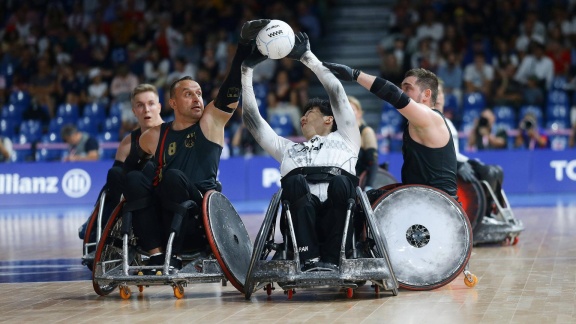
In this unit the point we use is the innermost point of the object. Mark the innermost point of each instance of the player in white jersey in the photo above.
(318, 175)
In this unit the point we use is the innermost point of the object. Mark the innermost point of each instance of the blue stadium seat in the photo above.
(88, 125)
(558, 97)
(261, 94)
(558, 113)
(473, 101)
(557, 124)
(115, 110)
(23, 155)
(50, 153)
(468, 118)
(111, 124)
(505, 114)
(20, 99)
(56, 124)
(12, 112)
(68, 112)
(32, 130)
(451, 103)
(107, 152)
(8, 127)
(95, 111)
(558, 142)
(559, 82)
(282, 124)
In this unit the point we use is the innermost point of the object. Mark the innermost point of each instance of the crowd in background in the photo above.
(76, 61)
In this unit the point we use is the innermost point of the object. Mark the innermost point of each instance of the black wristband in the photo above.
(355, 74)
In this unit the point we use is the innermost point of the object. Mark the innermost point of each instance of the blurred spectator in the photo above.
(430, 27)
(69, 89)
(181, 69)
(81, 146)
(121, 87)
(425, 56)
(43, 86)
(276, 108)
(532, 93)
(530, 136)
(478, 76)
(97, 88)
(530, 29)
(391, 69)
(190, 49)
(503, 55)
(167, 38)
(537, 64)
(308, 21)
(282, 89)
(156, 69)
(507, 91)
(484, 136)
(6, 151)
(451, 73)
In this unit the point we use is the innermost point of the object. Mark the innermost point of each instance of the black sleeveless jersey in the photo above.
(190, 151)
(435, 167)
(360, 165)
(131, 161)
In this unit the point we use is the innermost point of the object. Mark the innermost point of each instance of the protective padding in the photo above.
(382, 179)
(428, 234)
(228, 237)
(471, 196)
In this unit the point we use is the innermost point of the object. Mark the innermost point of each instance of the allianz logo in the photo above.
(75, 184)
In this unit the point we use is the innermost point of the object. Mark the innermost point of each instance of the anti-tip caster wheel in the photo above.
(125, 292)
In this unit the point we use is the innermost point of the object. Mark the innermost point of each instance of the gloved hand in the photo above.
(254, 58)
(466, 172)
(342, 72)
(251, 28)
(301, 45)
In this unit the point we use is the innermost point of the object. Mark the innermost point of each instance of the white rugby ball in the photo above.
(276, 40)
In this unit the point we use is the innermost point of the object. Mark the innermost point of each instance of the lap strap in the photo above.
(321, 174)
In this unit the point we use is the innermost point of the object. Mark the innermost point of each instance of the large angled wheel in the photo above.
(228, 238)
(260, 251)
(109, 252)
(428, 234)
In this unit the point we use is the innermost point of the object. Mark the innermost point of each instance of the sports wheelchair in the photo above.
(368, 259)
(120, 262)
(489, 212)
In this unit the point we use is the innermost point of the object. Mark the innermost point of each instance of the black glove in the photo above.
(466, 172)
(342, 72)
(251, 28)
(254, 58)
(301, 45)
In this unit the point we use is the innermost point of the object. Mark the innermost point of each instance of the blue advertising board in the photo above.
(258, 178)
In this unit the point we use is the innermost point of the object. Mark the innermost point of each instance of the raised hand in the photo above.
(301, 45)
(342, 72)
(251, 28)
(254, 58)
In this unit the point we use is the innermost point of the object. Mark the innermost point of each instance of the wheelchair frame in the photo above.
(119, 262)
(287, 272)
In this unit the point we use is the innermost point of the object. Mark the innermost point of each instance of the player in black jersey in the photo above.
(186, 154)
(146, 107)
(428, 149)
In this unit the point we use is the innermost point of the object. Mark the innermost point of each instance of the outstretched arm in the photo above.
(343, 113)
(253, 121)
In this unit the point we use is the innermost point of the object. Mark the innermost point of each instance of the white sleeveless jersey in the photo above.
(332, 150)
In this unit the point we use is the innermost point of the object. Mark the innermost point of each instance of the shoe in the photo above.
(310, 264)
(154, 260)
(175, 264)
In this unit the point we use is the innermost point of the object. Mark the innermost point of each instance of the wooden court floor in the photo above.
(42, 280)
